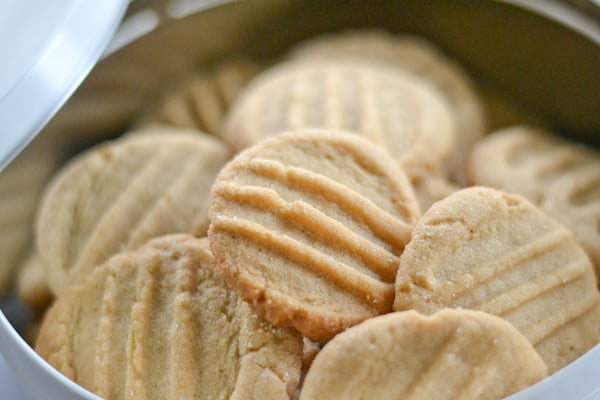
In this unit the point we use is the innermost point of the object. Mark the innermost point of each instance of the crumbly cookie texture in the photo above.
(487, 250)
(452, 354)
(158, 322)
(394, 109)
(560, 177)
(422, 58)
(120, 194)
(309, 225)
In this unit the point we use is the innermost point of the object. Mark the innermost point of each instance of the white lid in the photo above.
(46, 48)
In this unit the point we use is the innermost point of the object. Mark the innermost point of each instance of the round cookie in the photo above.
(483, 249)
(561, 178)
(158, 323)
(119, 194)
(203, 100)
(420, 57)
(396, 110)
(309, 225)
(453, 354)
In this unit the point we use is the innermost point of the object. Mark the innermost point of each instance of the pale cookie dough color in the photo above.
(420, 57)
(396, 110)
(158, 323)
(308, 226)
(561, 178)
(119, 194)
(453, 354)
(483, 249)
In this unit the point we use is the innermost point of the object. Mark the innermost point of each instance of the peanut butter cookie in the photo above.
(120, 194)
(452, 354)
(158, 323)
(486, 250)
(396, 110)
(309, 225)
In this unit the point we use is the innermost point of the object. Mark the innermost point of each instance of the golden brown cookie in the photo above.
(309, 225)
(396, 110)
(158, 323)
(483, 249)
(203, 100)
(420, 57)
(32, 285)
(561, 178)
(119, 194)
(453, 354)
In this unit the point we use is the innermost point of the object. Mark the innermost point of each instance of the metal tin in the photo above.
(545, 58)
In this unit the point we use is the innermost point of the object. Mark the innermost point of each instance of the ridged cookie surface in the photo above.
(119, 194)
(453, 354)
(483, 249)
(158, 323)
(308, 226)
(418, 56)
(561, 178)
(396, 110)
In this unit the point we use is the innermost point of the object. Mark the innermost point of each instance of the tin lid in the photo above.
(47, 48)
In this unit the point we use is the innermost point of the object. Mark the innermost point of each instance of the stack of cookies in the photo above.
(342, 224)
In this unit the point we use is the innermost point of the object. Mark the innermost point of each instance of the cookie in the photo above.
(309, 225)
(420, 57)
(452, 354)
(486, 250)
(119, 194)
(158, 323)
(32, 284)
(203, 100)
(398, 111)
(560, 177)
